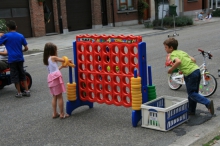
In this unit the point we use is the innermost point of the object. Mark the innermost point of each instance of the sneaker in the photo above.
(26, 93)
(211, 107)
(191, 113)
(18, 95)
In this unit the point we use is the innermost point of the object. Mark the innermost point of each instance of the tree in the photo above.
(3, 26)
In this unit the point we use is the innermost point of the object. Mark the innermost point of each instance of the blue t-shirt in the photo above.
(13, 41)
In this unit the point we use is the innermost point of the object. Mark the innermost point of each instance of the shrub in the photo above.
(142, 5)
(3, 26)
(179, 21)
(216, 13)
(168, 21)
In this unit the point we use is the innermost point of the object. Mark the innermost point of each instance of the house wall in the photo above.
(125, 17)
(190, 6)
(96, 14)
(63, 15)
(55, 15)
(120, 17)
(37, 18)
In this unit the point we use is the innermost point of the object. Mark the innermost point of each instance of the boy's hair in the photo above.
(171, 42)
(11, 25)
(49, 50)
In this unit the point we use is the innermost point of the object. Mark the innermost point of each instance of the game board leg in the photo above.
(136, 117)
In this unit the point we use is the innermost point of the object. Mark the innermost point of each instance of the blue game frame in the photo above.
(142, 62)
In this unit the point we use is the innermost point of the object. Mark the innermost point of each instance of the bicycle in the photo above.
(208, 83)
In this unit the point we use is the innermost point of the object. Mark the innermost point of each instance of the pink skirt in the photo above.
(55, 83)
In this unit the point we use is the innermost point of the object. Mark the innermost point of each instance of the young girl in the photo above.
(55, 79)
(209, 16)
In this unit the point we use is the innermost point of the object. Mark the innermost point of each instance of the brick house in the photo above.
(185, 7)
(62, 16)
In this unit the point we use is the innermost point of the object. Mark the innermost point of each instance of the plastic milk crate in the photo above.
(164, 113)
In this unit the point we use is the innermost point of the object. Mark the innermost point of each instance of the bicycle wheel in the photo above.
(172, 84)
(209, 86)
(29, 82)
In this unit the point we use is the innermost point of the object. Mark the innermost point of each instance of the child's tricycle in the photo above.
(5, 79)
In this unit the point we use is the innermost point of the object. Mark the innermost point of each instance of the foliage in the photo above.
(213, 141)
(142, 5)
(216, 13)
(3, 26)
(179, 21)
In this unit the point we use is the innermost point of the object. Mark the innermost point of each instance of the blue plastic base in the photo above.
(136, 117)
(71, 105)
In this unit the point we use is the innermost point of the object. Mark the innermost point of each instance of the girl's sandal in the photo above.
(56, 116)
(65, 116)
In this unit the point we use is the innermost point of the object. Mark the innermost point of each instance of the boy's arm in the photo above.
(193, 59)
(25, 48)
(177, 62)
(4, 53)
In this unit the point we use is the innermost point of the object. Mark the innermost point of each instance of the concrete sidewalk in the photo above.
(64, 41)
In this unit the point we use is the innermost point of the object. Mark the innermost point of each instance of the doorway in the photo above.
(79, 14)
(104, 13)
(204, 5)
(49, 16)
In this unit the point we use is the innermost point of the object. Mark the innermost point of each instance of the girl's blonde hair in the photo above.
(49, 50)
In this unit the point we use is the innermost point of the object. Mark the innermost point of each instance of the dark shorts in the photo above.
(3, 65)
(17, 72)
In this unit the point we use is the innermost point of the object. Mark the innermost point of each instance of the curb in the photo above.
(201, 135)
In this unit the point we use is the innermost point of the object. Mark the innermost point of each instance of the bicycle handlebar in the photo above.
(207, 53)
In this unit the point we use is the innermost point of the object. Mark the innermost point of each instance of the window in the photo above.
(20, 12)
(14, 12)
(125, 5)
(5, 13)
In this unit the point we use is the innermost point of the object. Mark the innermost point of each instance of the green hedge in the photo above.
(3, 26)
(216, 13)
(179, 21)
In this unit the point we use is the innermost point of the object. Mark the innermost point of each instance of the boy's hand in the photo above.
(170, 70)
(177, 62)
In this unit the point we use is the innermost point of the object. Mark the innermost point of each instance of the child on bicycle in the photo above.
(3, 55)
(192, 76)
(55, 79)
(14, 41)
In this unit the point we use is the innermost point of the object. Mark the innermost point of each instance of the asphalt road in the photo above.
(28, 121)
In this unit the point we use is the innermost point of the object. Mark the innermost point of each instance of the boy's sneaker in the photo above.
(18, 95)
(211, 107)
(191, 113)
(26, 93)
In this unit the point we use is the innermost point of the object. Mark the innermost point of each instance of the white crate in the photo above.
(164, 113)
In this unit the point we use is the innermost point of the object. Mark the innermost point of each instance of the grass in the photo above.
(213, 141)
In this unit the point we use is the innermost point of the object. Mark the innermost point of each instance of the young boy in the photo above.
(13, 41)
(3, 55)
(191, 72)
